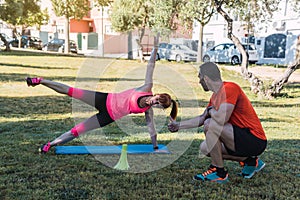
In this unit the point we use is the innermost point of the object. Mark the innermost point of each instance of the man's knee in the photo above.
(206, 125)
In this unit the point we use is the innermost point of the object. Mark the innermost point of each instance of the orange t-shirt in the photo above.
(243, 115)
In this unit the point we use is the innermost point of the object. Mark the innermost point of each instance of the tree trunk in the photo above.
(67, 36)
(256, 84)
(130, 56)
(19, 37)
(141, 32)
(200, 43)
(277, 85)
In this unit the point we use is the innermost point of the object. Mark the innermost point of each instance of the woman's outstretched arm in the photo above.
(150, 67)
(151, 127)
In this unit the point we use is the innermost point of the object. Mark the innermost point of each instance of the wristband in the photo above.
(209, 108)
(208, 115)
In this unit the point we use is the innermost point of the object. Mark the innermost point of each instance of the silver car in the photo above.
(228, 53)
(179, 52)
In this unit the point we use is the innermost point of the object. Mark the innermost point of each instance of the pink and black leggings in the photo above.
(97, 100)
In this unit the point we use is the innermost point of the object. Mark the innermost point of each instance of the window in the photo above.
(162, 45)
(275, 46)
(219, 48)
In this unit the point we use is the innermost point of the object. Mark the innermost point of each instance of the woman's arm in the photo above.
(151, 127)
(150, 67)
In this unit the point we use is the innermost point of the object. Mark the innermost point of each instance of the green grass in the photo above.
(31, 116)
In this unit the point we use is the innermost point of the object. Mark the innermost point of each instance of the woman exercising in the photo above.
(112, 106)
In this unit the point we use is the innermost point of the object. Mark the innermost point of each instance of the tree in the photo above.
(127, 15)
(256, 83)
(277, 85)
(157, 15)
(201, 11)
(22, 13)
(263, 10)
(70, 9)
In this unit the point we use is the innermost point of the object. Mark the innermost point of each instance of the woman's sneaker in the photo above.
(33, 81)
(248, 171)
(45, 148)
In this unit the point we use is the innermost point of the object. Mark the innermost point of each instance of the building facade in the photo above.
(94, 34)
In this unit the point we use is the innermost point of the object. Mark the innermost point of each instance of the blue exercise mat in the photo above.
(131, 149)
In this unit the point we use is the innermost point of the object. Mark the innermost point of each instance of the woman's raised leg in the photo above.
(86, 96)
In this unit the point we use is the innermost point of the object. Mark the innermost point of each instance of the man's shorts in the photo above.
(246, 144)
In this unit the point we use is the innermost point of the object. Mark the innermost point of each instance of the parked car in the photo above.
(27, 42)
(228, 53)
(36, 43)
(58, 45)
(161, 51)
(2, 44)
(5, 38)
(179, 52)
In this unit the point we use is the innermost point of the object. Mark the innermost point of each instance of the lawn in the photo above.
(32, 116)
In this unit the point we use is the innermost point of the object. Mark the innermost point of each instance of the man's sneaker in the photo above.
(201, 177)
(211, 175)
(33, 81)
(249, 171)
(45, 148)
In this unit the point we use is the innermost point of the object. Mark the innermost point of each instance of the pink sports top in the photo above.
(120, 104)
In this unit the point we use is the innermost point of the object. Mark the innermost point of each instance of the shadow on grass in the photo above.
(288, 87)
(20, 52)
(20, 106)
(24, 52)
(21, 78)
(272, 104)
(268, 104)
(23, 173)
(32, 66)
(24, 106)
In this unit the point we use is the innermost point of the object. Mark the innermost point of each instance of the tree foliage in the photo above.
(25, 13)
(71, 8)
(165, 15)
(128, 15)
(104, 2)
(157, 15)
(200, 11)
(154, 14)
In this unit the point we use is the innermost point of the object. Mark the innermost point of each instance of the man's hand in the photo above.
(173, 126)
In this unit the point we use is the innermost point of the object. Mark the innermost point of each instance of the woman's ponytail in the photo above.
(174, 110)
